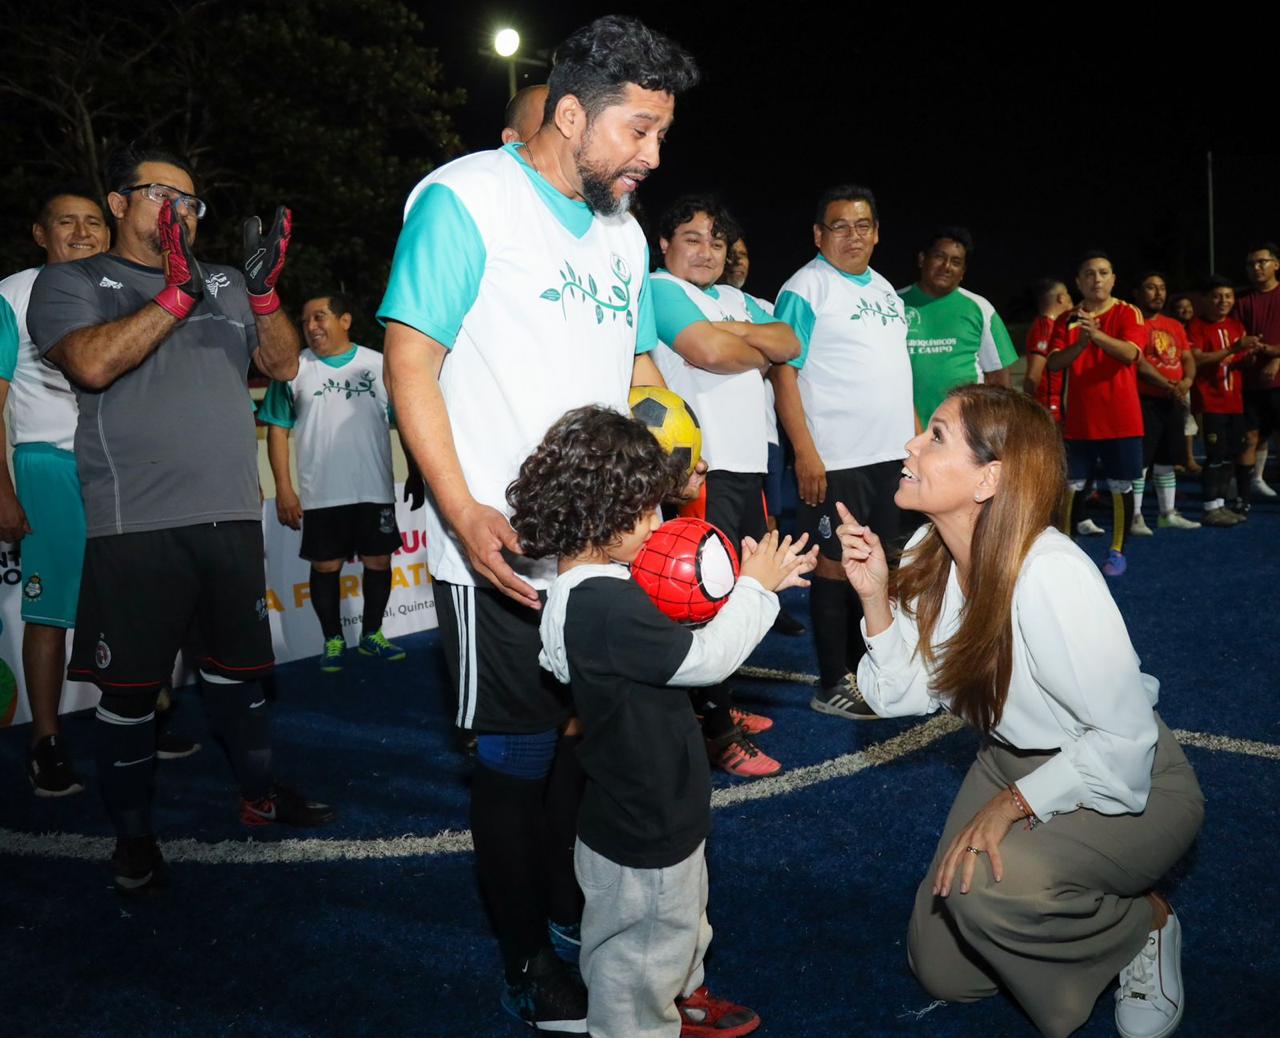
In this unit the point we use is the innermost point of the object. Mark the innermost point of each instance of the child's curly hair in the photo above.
(592, 478)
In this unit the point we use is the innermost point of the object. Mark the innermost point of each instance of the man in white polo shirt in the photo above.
(715, 345)
(846, 406)
(519, 290)
(337, 405)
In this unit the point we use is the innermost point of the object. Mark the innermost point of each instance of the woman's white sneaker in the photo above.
(1149, 999)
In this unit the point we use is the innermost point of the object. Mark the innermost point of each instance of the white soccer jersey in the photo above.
(540, 303)
(42, 405)
(342, 437)
(730, 408)
(854, 370)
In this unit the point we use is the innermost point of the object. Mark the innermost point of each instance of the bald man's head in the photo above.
(524, 114)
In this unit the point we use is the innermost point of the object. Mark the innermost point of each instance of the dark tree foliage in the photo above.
(333, 107)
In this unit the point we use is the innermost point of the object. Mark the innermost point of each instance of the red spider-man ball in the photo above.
(688, 567)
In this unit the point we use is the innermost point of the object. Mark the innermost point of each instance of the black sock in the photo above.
(1217, 476)
(125, 748)
(377, 593)
(562, 800)
(508, 825)
(325, 593)
(855, 647)
(238, 719)
(828, 613)
(1244, 483)
(712, 705)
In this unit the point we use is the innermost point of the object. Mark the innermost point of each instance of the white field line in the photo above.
(249, 852)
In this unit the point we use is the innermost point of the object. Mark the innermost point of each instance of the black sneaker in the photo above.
(174, 747)
(787, 625)
(285, 806)
(49, 769)
(1241, 508)
(139, 866)
(844, 700)
(549, 998)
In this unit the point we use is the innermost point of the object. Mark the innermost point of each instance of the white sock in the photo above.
(1166, 487)
(1260, 462)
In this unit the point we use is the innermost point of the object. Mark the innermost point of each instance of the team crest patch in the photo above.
(824, 528)
(102, 654)
(386, 521)
(261, 607)
(33, 589)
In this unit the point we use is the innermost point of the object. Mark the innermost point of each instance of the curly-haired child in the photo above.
(589, 495)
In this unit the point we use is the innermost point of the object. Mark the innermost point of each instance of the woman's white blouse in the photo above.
(1075, 685)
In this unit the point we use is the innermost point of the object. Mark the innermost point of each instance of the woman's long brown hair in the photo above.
(971, 669)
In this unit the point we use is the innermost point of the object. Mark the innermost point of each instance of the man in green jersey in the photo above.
(954, 337)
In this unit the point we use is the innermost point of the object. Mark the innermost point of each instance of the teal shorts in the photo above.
(53, 552)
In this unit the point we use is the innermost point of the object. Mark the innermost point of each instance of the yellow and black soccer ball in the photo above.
(671, 421)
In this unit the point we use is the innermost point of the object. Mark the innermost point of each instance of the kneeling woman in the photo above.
(1080, 799)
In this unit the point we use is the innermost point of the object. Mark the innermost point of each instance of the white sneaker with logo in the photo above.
(1149, 1000)
(1088, 528)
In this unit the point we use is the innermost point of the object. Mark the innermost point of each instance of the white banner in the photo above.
(295, 631)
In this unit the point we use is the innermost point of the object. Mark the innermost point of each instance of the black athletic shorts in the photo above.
(491, 645)
(733, 502)
(1119, 458)
(146, 596)
(347, 530)
(1163, 442)
(867, 491)
(1262, 411)
(1223, 437)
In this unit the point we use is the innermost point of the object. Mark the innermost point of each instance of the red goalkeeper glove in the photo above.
(183, 278)
(264, 259)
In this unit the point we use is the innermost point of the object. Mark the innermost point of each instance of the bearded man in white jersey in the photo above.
(519, 290)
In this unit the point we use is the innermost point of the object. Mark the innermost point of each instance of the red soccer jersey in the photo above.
(1219, 388)
(1166, 343)
(1100, 399)
(1259, 312)
(1049, 390)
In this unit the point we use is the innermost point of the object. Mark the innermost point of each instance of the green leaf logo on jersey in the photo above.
(618, 302)
(888, 312)
(364, 384)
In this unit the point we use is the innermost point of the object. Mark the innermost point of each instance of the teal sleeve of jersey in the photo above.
(277, 406)
(8, 340)
(1004, 344)
(646, 330)
(436, 271)
(757, 312)
(797, 312)
(673, 311)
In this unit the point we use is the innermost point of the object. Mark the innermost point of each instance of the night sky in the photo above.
(1043, 136)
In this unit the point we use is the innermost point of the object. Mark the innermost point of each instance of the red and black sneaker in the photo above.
(752, 724)
(285, 807)
(702, 1015)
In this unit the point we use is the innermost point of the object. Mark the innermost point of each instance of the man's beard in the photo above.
(597, 184)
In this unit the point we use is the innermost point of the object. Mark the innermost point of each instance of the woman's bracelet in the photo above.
(1023, 806)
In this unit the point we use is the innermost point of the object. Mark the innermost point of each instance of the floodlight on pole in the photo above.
(506, 43)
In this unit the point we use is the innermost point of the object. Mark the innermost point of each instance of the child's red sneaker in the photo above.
(702, 1015)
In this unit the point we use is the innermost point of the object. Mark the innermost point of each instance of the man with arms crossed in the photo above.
(715, 345)
(519, 290)
(339, 407)
(846, 406)
(158, 348)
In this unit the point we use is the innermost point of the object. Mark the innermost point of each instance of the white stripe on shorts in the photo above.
(464, 600)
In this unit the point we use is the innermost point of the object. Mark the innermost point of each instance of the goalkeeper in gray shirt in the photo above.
(157, 347)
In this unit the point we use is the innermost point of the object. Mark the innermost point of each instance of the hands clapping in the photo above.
(778, 565)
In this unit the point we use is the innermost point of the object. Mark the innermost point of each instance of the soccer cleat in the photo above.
(566, 940)
(548, 997)
(285, 807)
(786, 624)
(376, 644)
(331, 658)
(1139, 527)
(752, 724)
(844, 700)
(1177, 521)
(1088, 528)
(139, 866)
(1115, 564)
(1149, 1000)
(736, 754)
(49, 769)
(1262, 488)
(1220, 517)
(702, 1015)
